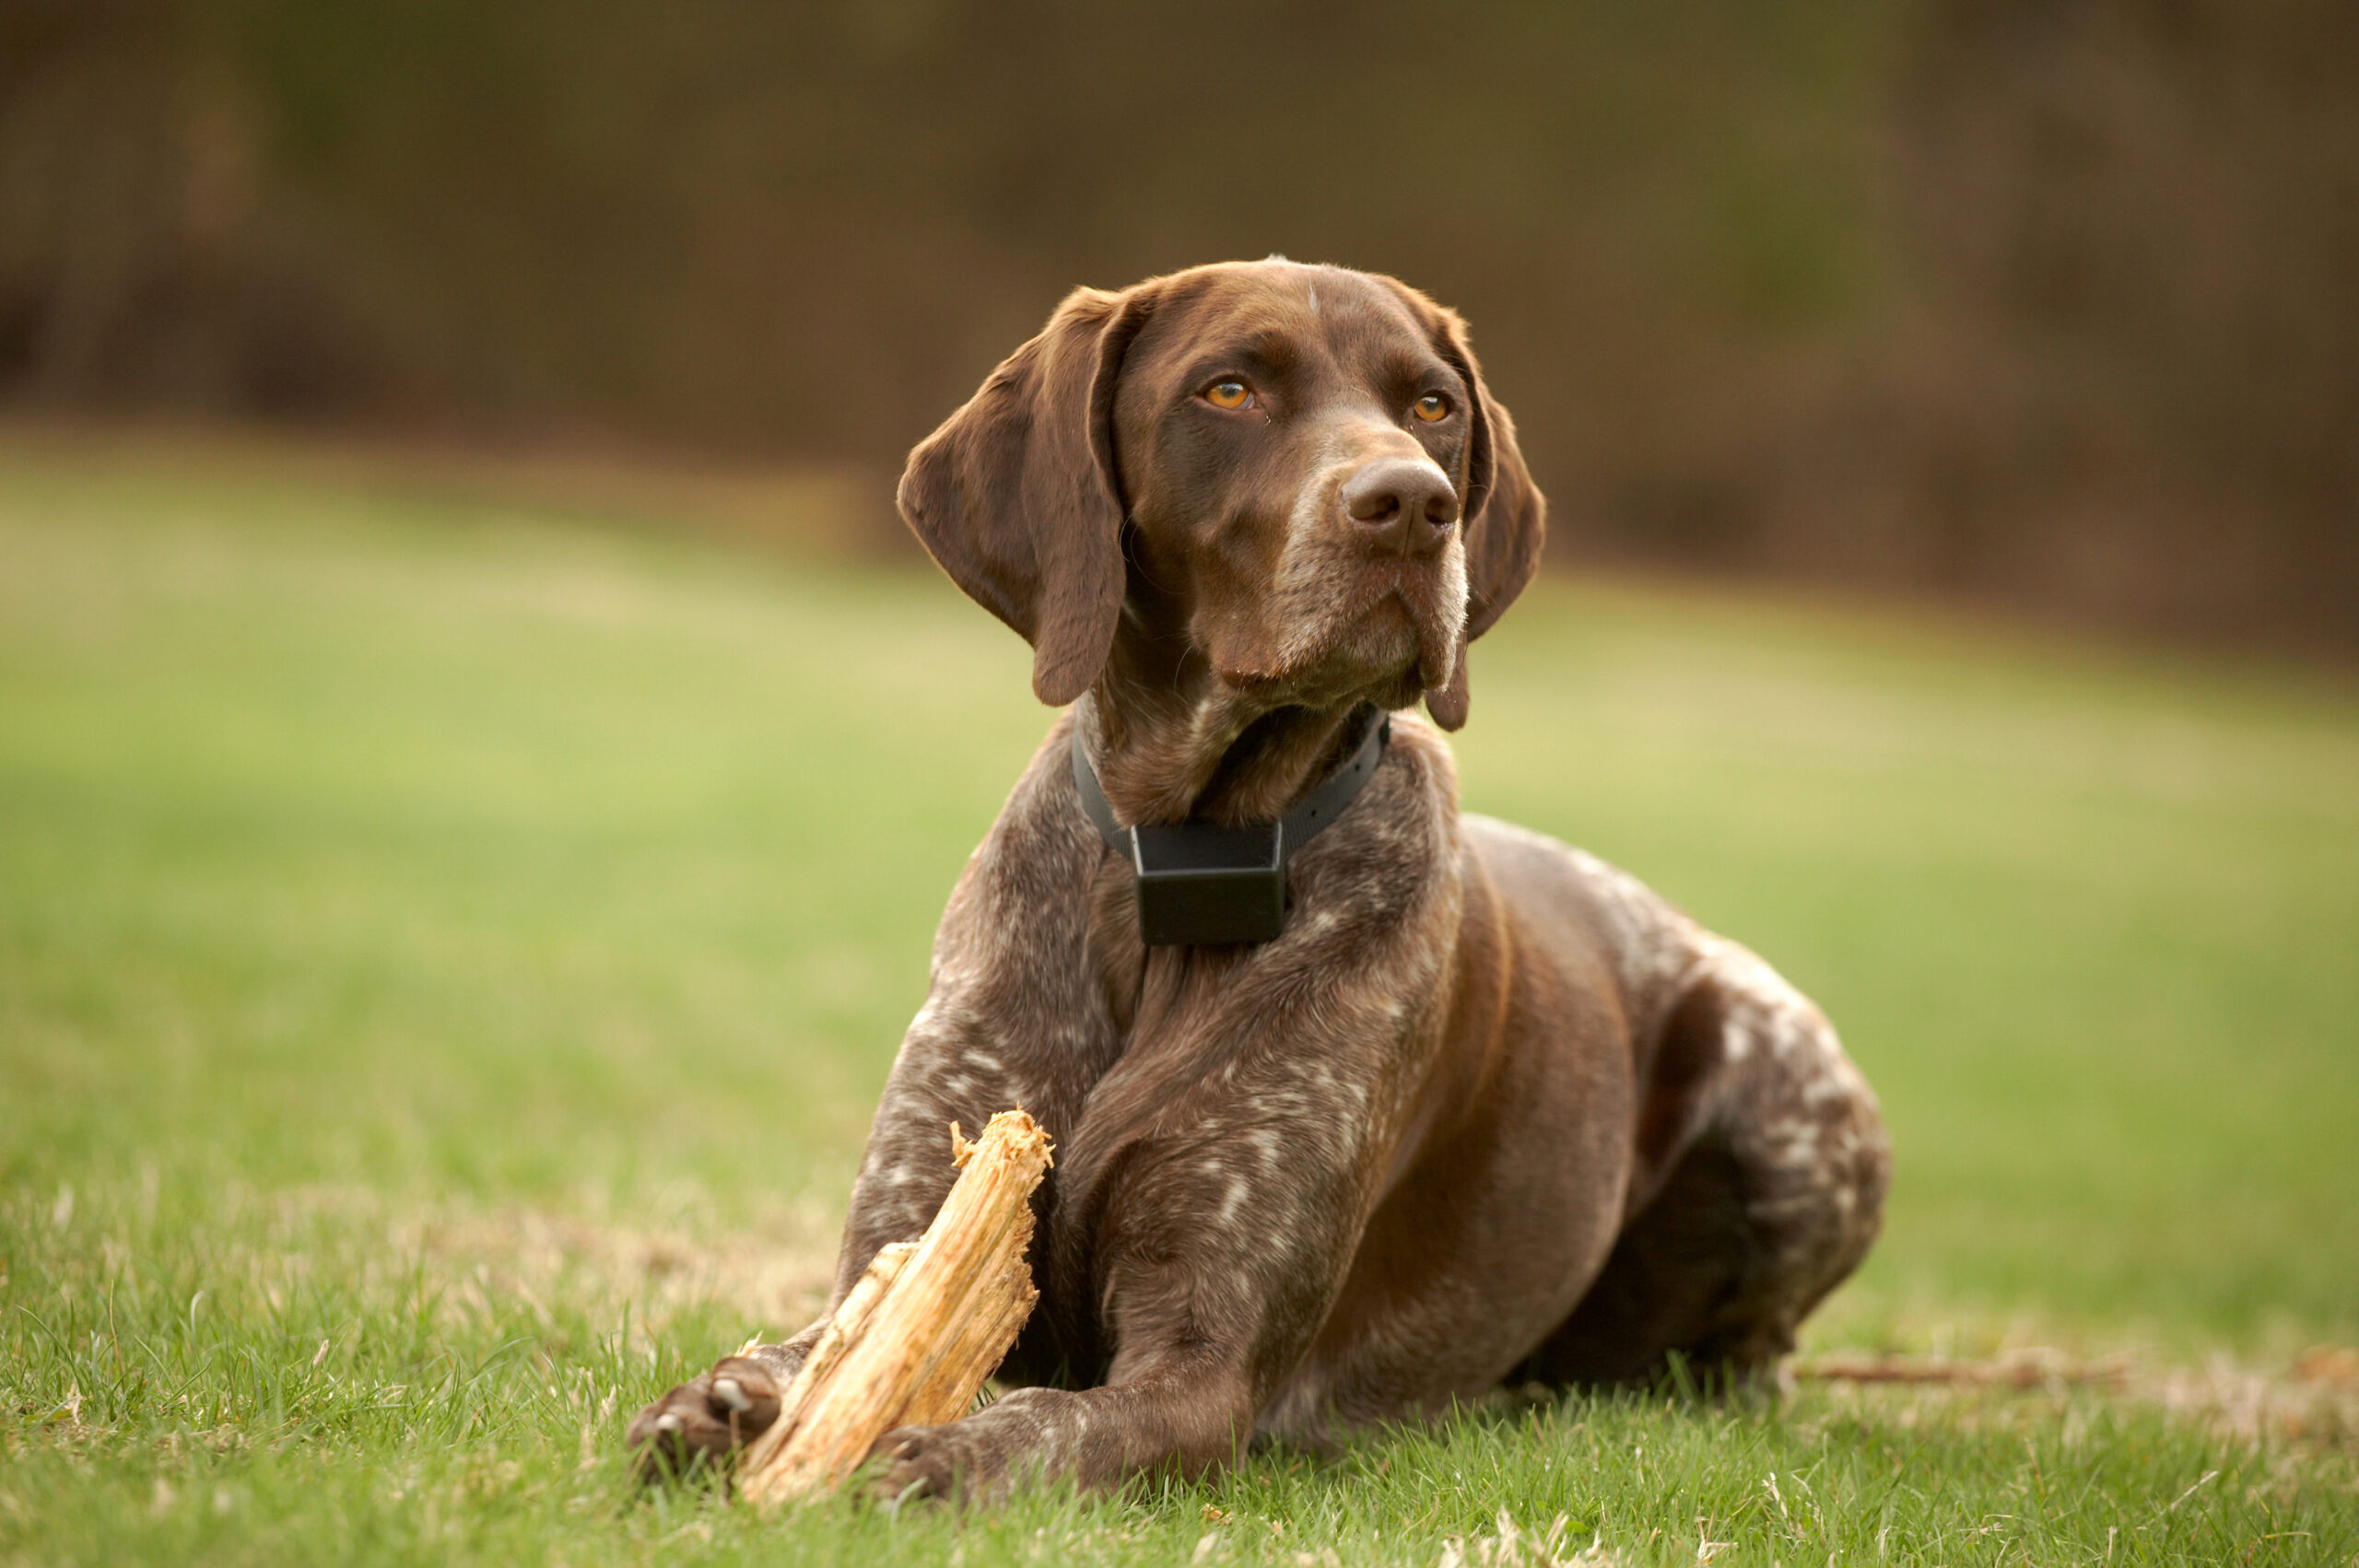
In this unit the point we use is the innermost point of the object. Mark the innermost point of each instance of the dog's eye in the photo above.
(1228, 394)
(1433, 406)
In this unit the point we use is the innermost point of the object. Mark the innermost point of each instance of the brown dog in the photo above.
(1485, 1110)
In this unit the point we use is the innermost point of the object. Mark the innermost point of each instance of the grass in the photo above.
(449, 952)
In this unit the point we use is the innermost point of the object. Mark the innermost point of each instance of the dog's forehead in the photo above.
(1284, 311)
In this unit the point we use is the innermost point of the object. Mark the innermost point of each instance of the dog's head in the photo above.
(1291, 477)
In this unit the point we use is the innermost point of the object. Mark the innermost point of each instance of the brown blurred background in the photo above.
(2054, 305)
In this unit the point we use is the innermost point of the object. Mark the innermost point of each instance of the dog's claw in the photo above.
(705, 1420)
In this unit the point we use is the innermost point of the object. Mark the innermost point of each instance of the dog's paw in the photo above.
(914, 1462)
(1025, 1435)
(704, 1422)
(960, 1462)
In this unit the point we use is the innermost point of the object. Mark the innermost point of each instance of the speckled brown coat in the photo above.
(1487, 1110)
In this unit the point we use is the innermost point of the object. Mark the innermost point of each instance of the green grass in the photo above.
(449, 953)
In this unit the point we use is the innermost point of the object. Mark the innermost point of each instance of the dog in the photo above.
(1482, 1111)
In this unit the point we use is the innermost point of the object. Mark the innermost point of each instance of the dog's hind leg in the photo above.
(1772, 1166)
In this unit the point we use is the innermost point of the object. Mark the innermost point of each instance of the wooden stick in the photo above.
(983, 1341)
(859, 1303)
(916, 1337)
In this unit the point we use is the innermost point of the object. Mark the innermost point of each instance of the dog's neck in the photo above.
(1171, 742)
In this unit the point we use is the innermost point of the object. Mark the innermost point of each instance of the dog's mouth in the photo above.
(1366, 631)
(1398, 633)
(1405, 616)
(1435, 603)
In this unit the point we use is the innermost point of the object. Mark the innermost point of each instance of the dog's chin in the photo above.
(1378, 641)
(1382, 651)
(1432, 608)
(1377, 630)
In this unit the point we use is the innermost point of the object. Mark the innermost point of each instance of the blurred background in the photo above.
(2047, 304)
(481, 762)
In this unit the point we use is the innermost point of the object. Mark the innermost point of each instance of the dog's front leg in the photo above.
(1184, 1409)
(948, 1071)
(1211, 1199)
(1217, 1250)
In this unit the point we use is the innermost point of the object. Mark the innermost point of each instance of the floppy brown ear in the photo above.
(1016, 496)
(1507, 518)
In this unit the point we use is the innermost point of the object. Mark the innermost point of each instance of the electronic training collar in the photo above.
(1203, 885)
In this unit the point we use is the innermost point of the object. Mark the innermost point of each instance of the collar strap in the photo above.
(1203, 885)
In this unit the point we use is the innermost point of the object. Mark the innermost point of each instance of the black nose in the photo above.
(1402, 504)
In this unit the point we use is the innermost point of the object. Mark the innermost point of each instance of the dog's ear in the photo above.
(1017, 498)
(1507, 517)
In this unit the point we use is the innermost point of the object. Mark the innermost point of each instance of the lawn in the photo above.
(449, 951)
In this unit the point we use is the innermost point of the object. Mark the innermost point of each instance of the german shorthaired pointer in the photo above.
(1485, 1111)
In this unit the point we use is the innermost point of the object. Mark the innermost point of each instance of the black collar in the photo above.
(1203, 885)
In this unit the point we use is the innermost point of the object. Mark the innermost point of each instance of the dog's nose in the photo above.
(1402, 504)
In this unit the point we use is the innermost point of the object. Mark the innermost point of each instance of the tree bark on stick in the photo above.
(925, 1324)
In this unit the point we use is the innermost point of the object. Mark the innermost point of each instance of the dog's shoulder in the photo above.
(1565, 899)
(1024, 886)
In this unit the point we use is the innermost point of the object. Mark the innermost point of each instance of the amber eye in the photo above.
(1433, 406)
(1228, 394)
